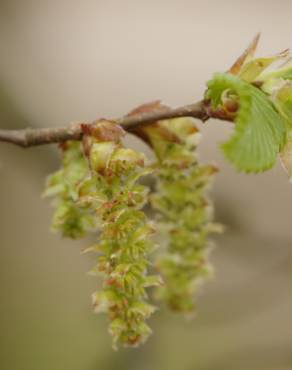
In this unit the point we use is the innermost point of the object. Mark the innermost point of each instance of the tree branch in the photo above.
(39, 136)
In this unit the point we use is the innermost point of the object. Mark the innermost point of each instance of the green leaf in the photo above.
(280, 91)
(284, 73)
(259, 130)
(255, 67)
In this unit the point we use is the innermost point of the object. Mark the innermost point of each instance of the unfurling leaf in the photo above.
(249, 68)
(259, 129)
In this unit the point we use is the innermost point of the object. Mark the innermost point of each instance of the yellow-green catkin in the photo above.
(184, 211)
(70, 218)
(124, 242)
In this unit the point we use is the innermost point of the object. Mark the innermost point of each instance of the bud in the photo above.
(100, 156)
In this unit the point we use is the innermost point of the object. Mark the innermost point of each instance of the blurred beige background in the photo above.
(64, 61)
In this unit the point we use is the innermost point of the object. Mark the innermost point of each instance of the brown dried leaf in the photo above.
(143, 132)
(105, 130)
(153, 106)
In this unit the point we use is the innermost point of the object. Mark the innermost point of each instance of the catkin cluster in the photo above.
(106, 190)
(97, 189)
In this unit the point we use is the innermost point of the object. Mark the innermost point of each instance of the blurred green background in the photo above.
(64, 61)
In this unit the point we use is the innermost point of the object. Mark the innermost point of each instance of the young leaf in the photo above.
(259, 130)
(249, 68)
(253, 69)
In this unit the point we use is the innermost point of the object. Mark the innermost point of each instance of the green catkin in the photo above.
(181, 200)
(124, 242)
(72, 220)
(97, 189)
